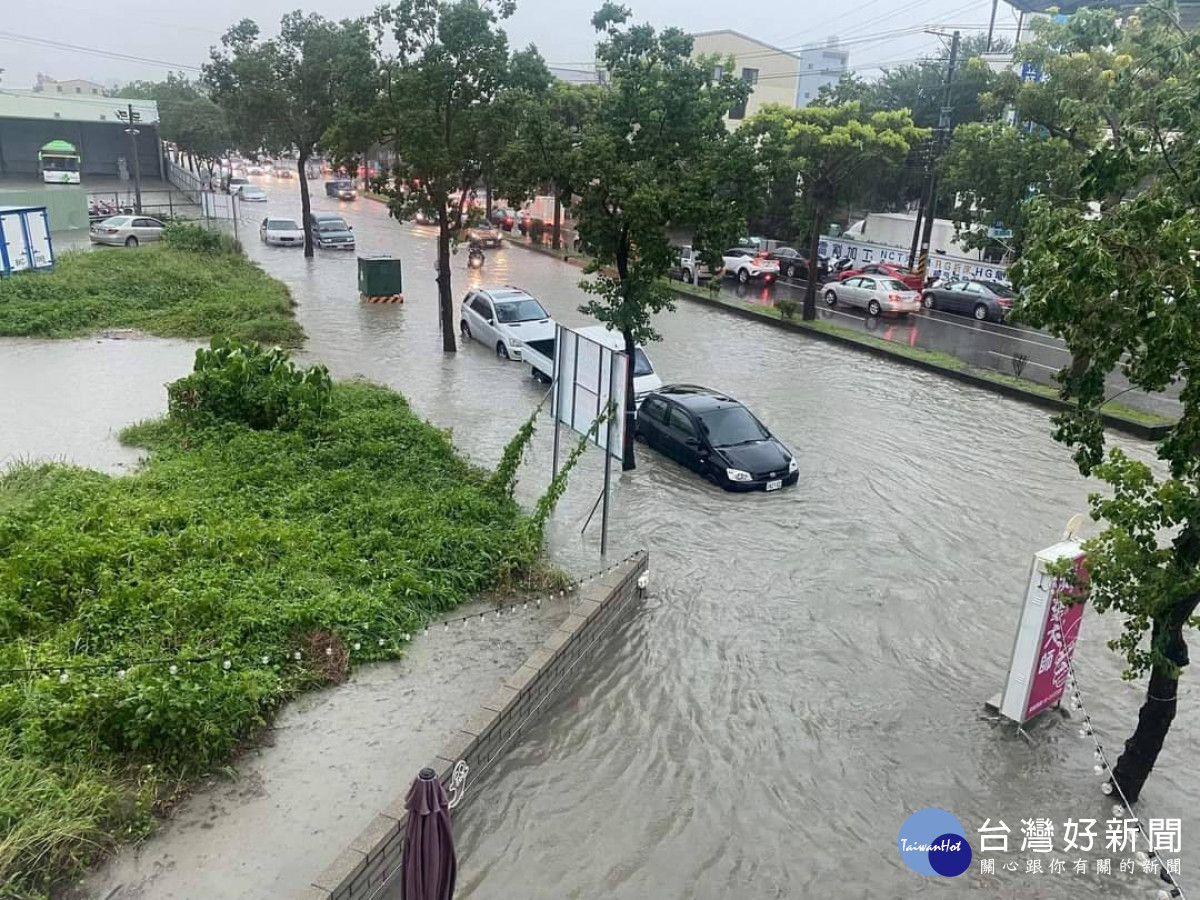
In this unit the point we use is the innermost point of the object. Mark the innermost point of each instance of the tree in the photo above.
(827, 149)
(655, 157)
(286, 93)
(451, 63)
(1122, 288)
(543, 151)
(187, 117)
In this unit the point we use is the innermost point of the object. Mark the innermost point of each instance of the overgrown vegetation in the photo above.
(189, 286)
(283, 528)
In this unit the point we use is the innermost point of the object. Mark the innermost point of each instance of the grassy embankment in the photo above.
(283, 529)
(188, 287)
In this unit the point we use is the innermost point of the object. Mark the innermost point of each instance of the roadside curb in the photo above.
(967, 376)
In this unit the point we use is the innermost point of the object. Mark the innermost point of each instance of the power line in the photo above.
(75, 48)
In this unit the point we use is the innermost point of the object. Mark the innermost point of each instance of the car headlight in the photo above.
(515, 342)
(793, 465)
(737, 475)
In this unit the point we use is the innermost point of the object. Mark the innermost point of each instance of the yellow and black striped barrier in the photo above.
(392, 298)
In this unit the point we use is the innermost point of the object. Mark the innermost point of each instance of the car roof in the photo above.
(696, 398)
(506, 292)
(279, 220)
(326, 217)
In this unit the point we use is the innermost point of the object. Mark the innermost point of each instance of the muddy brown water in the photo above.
(811, 666)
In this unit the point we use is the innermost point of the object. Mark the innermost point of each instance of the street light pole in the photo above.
(931, 181)
(137, 164)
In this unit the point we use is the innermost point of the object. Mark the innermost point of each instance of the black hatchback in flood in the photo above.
(716, 436)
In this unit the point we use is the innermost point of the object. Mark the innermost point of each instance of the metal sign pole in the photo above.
(607, 462)
(554, 395)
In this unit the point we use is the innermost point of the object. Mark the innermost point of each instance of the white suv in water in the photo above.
(505, 319)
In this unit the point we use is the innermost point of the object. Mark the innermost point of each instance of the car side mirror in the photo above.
(491, 321)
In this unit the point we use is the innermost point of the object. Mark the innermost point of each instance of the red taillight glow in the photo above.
(895, 298)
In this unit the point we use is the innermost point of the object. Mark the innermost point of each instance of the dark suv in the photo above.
(714, 435)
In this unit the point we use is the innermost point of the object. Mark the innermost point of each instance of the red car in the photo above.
(889, 270)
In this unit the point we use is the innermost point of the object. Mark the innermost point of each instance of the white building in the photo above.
(820, 65)
(72, 86)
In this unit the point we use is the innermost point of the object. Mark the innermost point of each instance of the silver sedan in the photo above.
(875, 294)
(126, 231)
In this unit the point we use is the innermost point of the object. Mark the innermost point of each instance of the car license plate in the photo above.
(775, 485)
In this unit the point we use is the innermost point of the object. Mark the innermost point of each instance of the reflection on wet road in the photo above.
(810, 666)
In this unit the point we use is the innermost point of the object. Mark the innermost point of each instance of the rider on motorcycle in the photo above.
(475, 254)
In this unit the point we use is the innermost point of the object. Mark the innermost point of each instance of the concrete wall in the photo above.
(375, 855)
(777, 70)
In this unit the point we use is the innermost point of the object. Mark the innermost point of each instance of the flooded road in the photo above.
(810, 666)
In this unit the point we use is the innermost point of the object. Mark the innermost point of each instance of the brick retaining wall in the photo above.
(361, 869)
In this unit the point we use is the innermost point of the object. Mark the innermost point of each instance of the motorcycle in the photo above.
(475, 257)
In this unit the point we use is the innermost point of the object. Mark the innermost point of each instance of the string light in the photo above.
(227, 665)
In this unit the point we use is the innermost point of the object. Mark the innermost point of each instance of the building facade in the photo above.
(820, 65)
(72, 86)
(772, 73)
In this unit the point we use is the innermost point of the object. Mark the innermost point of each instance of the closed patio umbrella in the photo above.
(429, 864)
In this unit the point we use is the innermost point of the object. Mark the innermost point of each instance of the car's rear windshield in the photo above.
(282, 225)
(1000, 290)
(332, 225)
(520, 311)
(732, 425)
(891, 284)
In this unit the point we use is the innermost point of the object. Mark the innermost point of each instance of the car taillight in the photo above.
(895, 298)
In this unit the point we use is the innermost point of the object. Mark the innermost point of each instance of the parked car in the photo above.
(716, 436)
(985, 300)
(524, 218)
(128, 231)
(485, 233)
(540, 356)
(281, 232)
(874, 293)
(281, 172)
(743, 264)
(255, 169)
(794, 264)
(912, 280)
(252, 193)
(690, 267)
(330, 232)
(505, 319)
(503, 217)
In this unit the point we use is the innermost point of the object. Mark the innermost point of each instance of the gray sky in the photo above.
(181, 33)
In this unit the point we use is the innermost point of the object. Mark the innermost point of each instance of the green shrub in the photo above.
(537, 230)
(198, 239)
(248, 384)
(787, 308)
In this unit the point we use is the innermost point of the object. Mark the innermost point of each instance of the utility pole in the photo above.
(930, 203)
(992, 24)
(133, 132)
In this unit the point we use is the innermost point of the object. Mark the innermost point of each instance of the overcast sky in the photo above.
(180, 34)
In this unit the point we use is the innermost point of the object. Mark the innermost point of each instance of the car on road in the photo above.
(281, 232)
(126, 231)
(691, 267)
(912, 280)
(876, 294)
(485, 233)
(235, 183)
(252, 193)
(987, 301)
(255, 169)
(342, 188)
(717, 437)
(330, 232)
(503, 217)
(794, 264)
(281, 172)
(743, 264)
(425, 218)
(505, 319)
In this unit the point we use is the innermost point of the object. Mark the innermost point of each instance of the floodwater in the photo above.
(811, 665)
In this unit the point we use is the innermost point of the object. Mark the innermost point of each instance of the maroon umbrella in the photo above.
(429, 864)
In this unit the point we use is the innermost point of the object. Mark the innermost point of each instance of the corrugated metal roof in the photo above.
(71, 108)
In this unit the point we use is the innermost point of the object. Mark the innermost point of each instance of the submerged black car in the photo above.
(714, 435)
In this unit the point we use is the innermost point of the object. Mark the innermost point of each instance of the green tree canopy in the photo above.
(187, 116)
(286, 93)
(655, 158)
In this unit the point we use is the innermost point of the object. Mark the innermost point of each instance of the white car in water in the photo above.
(281, 232)
(505, 319)
(252, 193)
(745, 264)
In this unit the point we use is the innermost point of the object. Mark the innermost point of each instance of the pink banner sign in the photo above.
(1057, 645)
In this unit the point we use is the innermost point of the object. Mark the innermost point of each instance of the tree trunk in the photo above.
(628, 462)
(810, 288)
(305, 204)
(445, 301)
(556, 235)
(487, 200)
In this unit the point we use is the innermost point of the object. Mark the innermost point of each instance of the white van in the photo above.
(540, 356)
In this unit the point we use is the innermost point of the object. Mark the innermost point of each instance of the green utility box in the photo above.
(379, 277)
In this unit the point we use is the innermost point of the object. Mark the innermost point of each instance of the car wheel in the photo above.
(501, 350)
(465, 329)
(131, 241)
(791, 272)
(874, 308)
(981, 312)
(928, 302)
(687, 276)
(830, 298)
(743, 276)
